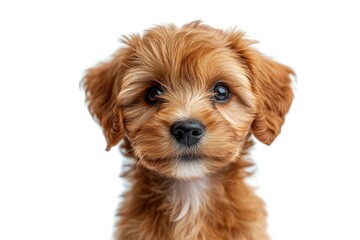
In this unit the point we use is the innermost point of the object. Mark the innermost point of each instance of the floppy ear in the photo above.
(102, 85)
(271, 85)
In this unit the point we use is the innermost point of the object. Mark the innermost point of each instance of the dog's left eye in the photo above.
(221, 93)
(153, 93)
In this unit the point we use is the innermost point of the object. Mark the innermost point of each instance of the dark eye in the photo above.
(152, 94)
(222, 93)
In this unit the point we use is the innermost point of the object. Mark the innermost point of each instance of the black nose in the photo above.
(187, 132)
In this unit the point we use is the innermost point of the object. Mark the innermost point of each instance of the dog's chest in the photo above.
(188, 197)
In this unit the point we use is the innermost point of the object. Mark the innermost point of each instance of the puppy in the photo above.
(185, 102)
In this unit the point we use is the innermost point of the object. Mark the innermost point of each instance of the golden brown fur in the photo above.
(206, 198)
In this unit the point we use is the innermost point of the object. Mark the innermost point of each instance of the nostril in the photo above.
(197, 133)
(178, 133)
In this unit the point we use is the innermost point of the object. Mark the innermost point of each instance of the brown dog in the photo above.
(186, 102)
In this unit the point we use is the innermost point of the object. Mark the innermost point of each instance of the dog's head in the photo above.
(186, 99)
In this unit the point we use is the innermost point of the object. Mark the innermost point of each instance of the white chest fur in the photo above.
(188, 196)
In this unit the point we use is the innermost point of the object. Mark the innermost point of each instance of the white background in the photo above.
(57, 182)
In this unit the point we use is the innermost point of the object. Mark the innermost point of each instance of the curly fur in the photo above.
(207, 197)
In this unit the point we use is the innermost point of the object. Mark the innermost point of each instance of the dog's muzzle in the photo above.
(187, 132)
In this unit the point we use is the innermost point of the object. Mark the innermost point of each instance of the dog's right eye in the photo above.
(153, 94)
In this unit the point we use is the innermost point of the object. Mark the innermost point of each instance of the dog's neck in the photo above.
(188, 196)
(184, 208)
(184, 198)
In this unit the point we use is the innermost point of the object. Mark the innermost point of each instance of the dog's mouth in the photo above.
(189, 157)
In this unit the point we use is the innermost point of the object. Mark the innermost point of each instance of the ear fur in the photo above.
(102, 85)
(271, 84)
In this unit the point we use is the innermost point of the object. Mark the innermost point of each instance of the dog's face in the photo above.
(187, 99)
